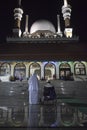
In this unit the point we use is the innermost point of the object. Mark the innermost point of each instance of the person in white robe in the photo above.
(33, 89)
(33, 101)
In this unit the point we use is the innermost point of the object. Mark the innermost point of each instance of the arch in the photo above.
(49, 71)
(35, 68)
(64, 71)
(20, 71)
(79, 68)
(5, 69)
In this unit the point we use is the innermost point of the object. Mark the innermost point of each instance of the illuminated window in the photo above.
(64, 70)
(49, 71)
(5, 69)
(35, 68)
(20, 71)
(80, 69)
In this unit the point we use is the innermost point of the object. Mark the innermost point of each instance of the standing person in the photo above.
(33, 89)
(49, 91)
(33, 101)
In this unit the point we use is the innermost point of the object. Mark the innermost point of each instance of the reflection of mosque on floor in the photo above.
(49, 115)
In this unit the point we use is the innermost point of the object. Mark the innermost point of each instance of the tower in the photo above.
(17, 17)
(66, 11)
(26, 33)
(58, 26)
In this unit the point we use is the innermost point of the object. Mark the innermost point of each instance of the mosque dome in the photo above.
(42, 25)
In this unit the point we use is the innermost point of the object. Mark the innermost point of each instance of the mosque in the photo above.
(43, 49)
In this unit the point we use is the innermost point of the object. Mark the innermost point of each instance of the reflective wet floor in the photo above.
(48, 114)
(62, 113)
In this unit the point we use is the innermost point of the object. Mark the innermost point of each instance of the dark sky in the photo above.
(43, 9)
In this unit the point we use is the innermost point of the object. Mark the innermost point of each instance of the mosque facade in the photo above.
(49, 53)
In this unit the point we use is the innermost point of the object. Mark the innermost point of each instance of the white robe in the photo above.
(33, 89)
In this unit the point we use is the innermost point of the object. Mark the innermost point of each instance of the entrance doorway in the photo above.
(64, 71)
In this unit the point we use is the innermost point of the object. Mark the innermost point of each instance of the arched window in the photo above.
(50, 71)
(5, 69)
(64, 70)
(35, 68)
(20, 71)
(80, 69)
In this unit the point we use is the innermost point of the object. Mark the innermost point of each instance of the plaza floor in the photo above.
(63, 113)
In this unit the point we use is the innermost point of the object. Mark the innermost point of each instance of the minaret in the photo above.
(26, 33)
(59, 32)
(66, 10)
(17, 16)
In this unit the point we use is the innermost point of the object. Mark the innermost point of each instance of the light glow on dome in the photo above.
(42, 25)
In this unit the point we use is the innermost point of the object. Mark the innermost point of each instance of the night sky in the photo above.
(43, 9)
